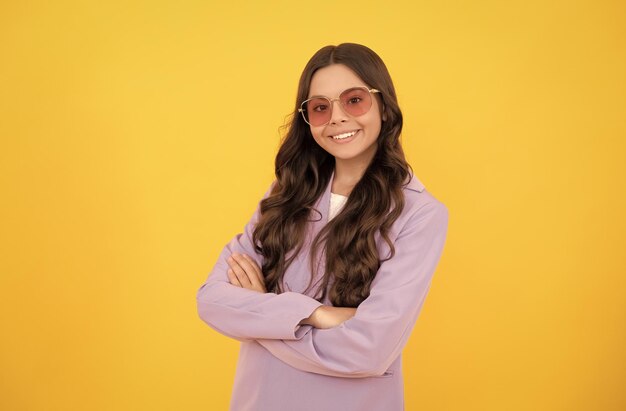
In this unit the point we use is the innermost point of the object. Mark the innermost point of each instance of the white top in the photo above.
(337, 202)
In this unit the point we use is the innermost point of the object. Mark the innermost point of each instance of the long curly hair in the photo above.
(303, 170)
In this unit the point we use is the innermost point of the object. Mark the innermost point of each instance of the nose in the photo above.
(337, 114)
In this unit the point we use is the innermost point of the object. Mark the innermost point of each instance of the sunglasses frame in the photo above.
(301, 110)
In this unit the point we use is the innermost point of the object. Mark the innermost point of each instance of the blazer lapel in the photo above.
(318, 219)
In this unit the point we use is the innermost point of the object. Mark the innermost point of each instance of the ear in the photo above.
(384, 117)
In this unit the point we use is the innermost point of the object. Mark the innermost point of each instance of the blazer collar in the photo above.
(323, 204)
(415, 184)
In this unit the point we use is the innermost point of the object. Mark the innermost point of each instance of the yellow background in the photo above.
(131, 154)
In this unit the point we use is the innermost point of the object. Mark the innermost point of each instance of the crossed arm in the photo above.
(313, 337)
(244, 272)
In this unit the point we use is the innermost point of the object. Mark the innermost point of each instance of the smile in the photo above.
(344, 135)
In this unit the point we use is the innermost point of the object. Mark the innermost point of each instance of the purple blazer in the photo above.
(356, 366)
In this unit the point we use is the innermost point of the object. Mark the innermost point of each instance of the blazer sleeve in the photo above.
(244, 314)
(368, 343)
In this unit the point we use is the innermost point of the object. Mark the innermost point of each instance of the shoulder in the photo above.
(419, 203)
(414, 184)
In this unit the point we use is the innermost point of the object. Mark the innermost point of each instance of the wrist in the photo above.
(313, 319)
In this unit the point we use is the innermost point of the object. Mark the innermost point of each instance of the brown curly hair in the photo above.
(303, 170)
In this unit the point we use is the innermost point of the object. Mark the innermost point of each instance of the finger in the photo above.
(250, 269)
(239, 272)
(233, 278)
(258, 272)
(255, 266)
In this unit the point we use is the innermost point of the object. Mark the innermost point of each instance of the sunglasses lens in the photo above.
(317, 111)
(356, 101)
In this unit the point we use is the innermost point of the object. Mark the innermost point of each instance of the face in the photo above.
(347, 138)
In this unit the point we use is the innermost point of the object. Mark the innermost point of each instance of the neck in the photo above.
(347, 174)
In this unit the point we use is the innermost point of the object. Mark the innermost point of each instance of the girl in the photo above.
(325, 284)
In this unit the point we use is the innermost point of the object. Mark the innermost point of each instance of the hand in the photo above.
(244, 272)
(327, 316)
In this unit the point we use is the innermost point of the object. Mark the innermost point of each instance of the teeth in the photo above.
(344, 135)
